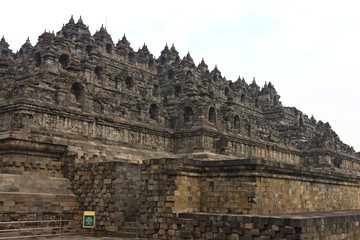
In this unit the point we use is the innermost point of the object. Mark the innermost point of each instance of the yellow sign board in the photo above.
(89, 219)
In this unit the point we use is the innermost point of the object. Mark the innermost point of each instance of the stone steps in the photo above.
(129, 229)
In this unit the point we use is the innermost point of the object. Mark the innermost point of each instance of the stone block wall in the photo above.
(21, 156)
(222, 194)
(327, 226)
(32, 185)
(30, 165)
(306, 194)
(43, 206)
(249, 186)
(196, 193)
(111, 189)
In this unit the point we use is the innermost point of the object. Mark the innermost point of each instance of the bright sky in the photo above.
(308, 49)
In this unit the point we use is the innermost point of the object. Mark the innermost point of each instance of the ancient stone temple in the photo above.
(87, 124)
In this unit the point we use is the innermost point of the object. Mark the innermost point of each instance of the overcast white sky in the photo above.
(309, 50)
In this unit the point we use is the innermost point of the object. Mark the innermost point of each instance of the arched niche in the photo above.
(177, 90)
(64, 60)
(88, 49)
(129, 82)
(131, 56)
(188, 114)
(154, 112)
(38, 59)
(109, 48)
(242, 98)
(98, 71)
(170, 74)
(226, 91)
(151, 63)
(162, 60)
(257, 103)
(77, 92)
(236, 122)
(155, 91)
(212, 115)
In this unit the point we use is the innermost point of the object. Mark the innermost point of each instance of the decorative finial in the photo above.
(145, 48)
(72, 19)
(202, 64)
(80, 21)
(253, 81)
(188, 58)
(27, 43)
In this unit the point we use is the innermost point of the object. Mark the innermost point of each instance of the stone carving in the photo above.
(105, 102)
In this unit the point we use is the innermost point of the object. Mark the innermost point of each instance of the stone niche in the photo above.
(81, 117)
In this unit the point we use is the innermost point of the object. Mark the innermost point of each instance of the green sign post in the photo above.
(89, 219)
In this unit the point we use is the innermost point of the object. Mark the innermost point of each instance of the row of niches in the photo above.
(184, 116)
(72, 60)
(92, 52)
(77, 91)
(228, 91)
(187, 116)
(155, 88)
(76, 63)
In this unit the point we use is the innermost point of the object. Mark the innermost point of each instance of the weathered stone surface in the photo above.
(95, 125)
(221, 183)
(75, 86)
(329, 225)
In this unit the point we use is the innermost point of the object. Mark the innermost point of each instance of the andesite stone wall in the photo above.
(111, 189)
(81, 117)
(32, 186)
(311, 226)
(244, 186)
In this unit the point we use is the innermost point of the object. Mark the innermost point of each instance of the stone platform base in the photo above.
(24, 196)
(321, 225)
